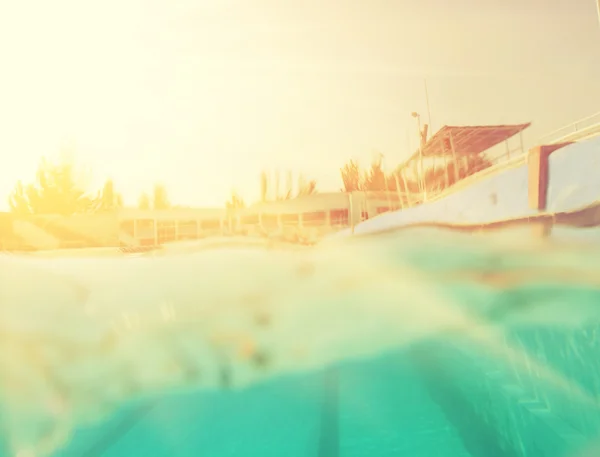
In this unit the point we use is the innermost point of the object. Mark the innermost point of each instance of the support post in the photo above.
(447, 183)
(351, 212)
(433, 183)
(538, 180)
(521, 141)
(155, 223)
(456, 177)
(406, 189)
(398, 193)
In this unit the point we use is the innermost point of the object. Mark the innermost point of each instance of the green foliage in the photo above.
(235, 202)
(108, 199)
(55, 191)
(144, 201)
(264, 186)
(160, 198)
(352, 177)
(375, 179)
(304, 187)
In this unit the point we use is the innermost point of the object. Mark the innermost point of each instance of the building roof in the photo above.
(468, 140)
(319, 201)
(171, 213)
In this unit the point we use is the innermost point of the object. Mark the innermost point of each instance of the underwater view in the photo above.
(300, 229)
(369, 345)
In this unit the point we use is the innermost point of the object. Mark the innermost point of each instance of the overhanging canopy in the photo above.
(468, 140)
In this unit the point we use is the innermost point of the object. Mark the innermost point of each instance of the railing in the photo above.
(579, 130)
(447, 183)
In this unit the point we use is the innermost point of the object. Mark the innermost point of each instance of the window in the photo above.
(211, 224)
(382, 209)
(250, 219)
(269, 220)
(314, 219)
(290, 219)
(187, 230)
(127, 227)
(145, 229)
(232, 223)
(339, 217)
(165, 231)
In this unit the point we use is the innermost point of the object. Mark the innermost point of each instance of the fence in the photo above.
(579, 130)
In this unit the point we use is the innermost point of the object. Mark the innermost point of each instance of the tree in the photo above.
(19, 201)
(306, 187)
(476, 163)
(351, 177)
(276, 189)
(289, 185)
(108, 199)
(55, 191)
(444, 177)
(235, 201)
(375, 179)
(264, 186)
(7, 234)
(144, 201)
(160, 198)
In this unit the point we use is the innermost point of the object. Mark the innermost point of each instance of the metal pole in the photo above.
(351, 212)
(421, 182)
(387, 193)
(400, 199)
(427, 100)
(406, 189)
(456, 177)
(521, 136)
(432, 175)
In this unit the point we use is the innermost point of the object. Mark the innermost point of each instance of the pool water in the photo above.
(436, 399)
(527, 386)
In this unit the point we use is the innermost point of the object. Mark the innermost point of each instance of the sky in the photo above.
(202, 95)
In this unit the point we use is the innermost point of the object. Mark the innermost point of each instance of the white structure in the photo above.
(323, 211)
(151, 227)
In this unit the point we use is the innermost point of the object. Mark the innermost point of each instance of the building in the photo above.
(294, 219)
(318, 214)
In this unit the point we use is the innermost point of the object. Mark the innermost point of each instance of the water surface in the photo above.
(420, 343)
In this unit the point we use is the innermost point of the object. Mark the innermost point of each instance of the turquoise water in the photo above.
(432, 345)
(436, 399)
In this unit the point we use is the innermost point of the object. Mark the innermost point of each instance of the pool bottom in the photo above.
(436, 399)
